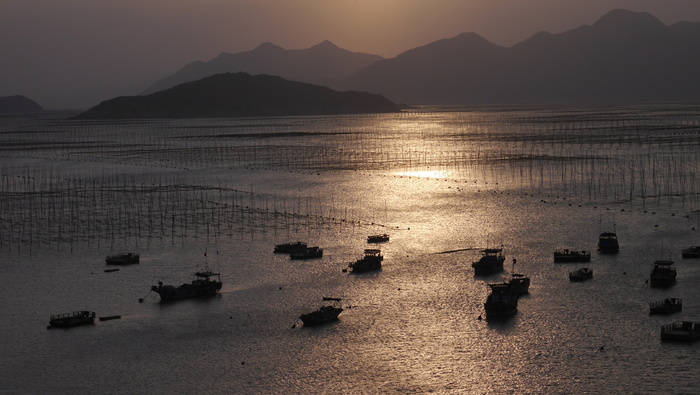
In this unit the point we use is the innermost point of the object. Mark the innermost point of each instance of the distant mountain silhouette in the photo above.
(240, 95)
(18, 105)
(318, 64)
(624, 56)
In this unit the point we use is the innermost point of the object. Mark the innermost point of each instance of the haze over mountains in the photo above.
(623, 57)
(317, 65)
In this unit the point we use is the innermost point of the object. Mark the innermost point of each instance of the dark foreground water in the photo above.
(443, 182)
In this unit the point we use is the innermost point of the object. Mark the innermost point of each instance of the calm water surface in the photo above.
(443, 182)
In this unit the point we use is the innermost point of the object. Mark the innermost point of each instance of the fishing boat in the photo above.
(322, 315)
(519, 283)
(691, 252)
(581, 274)
(372, 260)
(681, 331)
(608, 244)
(501, 302)
(663, 274)
(122, 259)
(566, 255)
(666, 306)
(203, 285)
(287, 248)
(378, 238)
(75, 318)
(491, 261)
(307, 253)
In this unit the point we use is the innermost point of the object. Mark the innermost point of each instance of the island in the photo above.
(231, 95)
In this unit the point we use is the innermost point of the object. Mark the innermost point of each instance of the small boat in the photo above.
(287, 248)
(608, 244)
(111, 270)
(520, 283)
(691, 252)
(663, 274)
(502, 301)
(372, 260)
(307, 253)
(681, 331)
(581, 274)
(567, 255)
(321, 316)
(378, 238)
(122, 259)
(110, 317)
(666, 306)
(202, 286)
(75, 318)
(491, 261)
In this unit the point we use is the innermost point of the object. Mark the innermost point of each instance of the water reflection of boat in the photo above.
(663, 274)
(567, 255)
(202, 286)
(307, 253)
(122, 259)
(666, 306)
(287, 248)
(501, 302)
(608, 244)
(372, 260)
(581, 274)
(681, 331)
(378, 238)
(75, 318)
(491, 261)
(691, 252)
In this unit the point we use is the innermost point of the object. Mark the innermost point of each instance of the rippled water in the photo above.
(443, 182)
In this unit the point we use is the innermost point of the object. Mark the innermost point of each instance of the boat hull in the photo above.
(321, 316)
(68, 320)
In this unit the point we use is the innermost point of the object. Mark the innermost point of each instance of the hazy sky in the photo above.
(53, 46)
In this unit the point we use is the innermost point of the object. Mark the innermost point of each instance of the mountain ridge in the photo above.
(623, 56)
(232, 95)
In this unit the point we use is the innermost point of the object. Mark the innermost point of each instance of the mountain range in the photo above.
(319, 64)
(625, 56)
(240, 95)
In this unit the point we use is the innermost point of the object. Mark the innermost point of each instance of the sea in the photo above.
(443, 182)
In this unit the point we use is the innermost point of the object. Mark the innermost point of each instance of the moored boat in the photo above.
(691, 252)
(491, 261)
(75, 318)
(520, 283)
(372, 260)
(608, 244)
(666, 306)
(322, 315)
(567, 255)
(581, 274)
(307, 253)
(501, 302)
(122, 259)
(287, 248)
(663, 274)
(378, 238)
(203, 285)
(681, 331)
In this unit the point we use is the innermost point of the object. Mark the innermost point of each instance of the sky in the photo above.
(50, 49)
